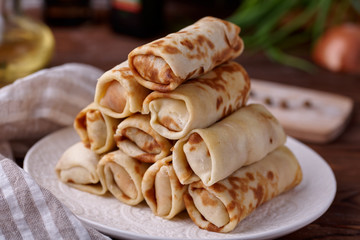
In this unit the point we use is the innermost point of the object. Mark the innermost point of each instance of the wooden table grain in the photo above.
(96, 44)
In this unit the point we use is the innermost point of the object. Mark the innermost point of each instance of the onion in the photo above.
(338, 49)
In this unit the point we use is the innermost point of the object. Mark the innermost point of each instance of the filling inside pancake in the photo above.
(96, 129)
(154, 69)
(210, 207)
(116, 174)
(163, 192)
(198, 156)
(114, 97)
(136, 142)
(171, 113)
(78, 175)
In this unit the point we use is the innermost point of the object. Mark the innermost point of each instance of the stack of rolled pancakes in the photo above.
(171, 125)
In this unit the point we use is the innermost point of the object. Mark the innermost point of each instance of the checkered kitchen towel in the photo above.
(31, 108)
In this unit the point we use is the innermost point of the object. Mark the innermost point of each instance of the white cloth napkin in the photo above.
(42, 102)
(31, 108)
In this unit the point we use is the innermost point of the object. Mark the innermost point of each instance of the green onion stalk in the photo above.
(277, 26)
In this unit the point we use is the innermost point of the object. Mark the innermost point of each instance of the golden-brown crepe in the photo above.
(222, 206)
(135, 137)
(200, 102)
(165, 63)
(96, 130)
(122, 176)
(117, 92)
(162, 190)
(213, 153)
(77, 168)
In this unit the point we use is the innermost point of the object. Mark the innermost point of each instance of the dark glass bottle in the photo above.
(66, 12)
(140, 18)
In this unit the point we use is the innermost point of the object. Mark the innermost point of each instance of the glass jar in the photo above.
(26, 45)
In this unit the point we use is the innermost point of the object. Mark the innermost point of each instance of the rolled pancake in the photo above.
(163, 64)
(118, 94)
(162, 190)
(212, 154)
(222, 206)
(96, 130)
(77, 168)
(135, 137)
(200, 102)
(122, 176)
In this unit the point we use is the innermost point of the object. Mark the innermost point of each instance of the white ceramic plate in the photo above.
(280, 216)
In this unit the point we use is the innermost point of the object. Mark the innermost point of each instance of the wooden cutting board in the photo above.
(306, 114)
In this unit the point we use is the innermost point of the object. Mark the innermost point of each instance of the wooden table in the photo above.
(96, 44)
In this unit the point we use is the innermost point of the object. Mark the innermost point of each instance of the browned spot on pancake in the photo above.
(231, 206)
(70, 180)
(195, 138)
(217, 82)
(221, 56)
(187, 43)
(137, 169)
(158, 42)
(270, 140)
(239, 183)
(153, 73)
(258, 194)
(213, 228)
(218, 187)
(192, 148)
(227, 111)
(206, 198)
(146, 157)
(125, 197)
(190, 74)
(270, 175)
(219, 101)
(80, 121)
(238, 46)
(198, 53)
(208, 153)
(168, 122)
(168, 76)
(150, 195)
(201, 40)
(151, 147)
(241, 98)
(95, 115)
(233, 193)
(171, 49)
(118, 138)
(201, 70)
(250, 176)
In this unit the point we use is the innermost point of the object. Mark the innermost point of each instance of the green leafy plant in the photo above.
(276, 26)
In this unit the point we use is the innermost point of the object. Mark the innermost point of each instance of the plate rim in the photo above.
(267, 234)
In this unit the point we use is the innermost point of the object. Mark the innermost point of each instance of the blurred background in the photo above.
(299, 34)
